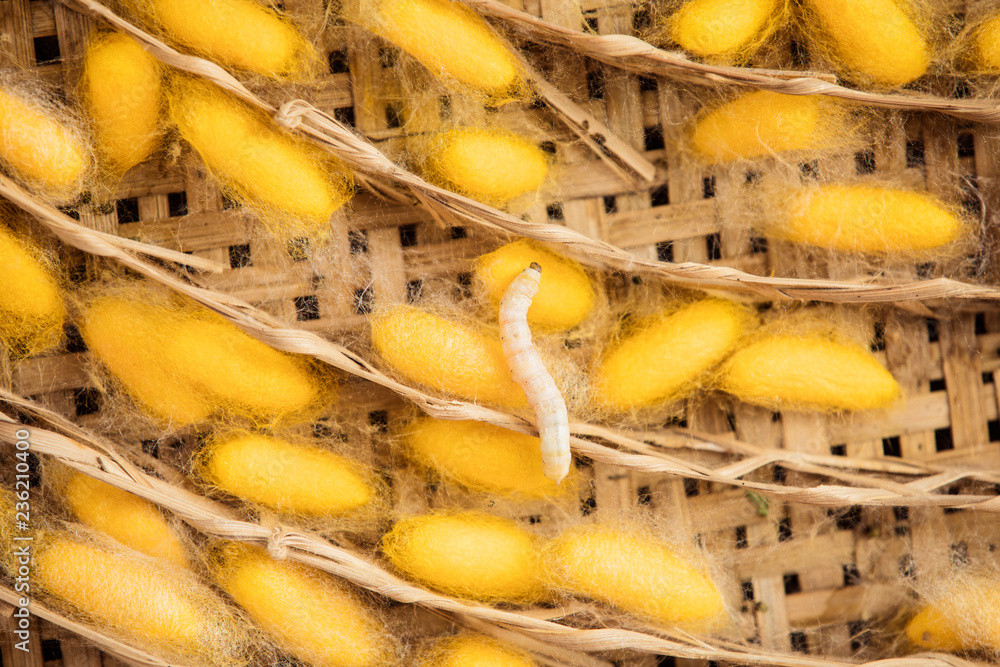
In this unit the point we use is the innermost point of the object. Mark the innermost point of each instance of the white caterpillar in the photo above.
(529, 373)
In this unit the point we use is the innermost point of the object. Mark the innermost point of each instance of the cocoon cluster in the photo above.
(876, 39)
(666, 356)
(866, 218)
(635, 574)
(469, 650)
(450, 40)
(565, 297)
(40, 148)
(295, 185)
(286, 477)
(469, 555)
(444, 355)
(31, 306)
(763, 123)
(785, 371)
(304, 611)
(481, 457)
(493, 166)
(242, 34)
(121, 88)
(183, 363)
(962, 617)
(724, 27)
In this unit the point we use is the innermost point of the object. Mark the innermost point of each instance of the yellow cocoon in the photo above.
(493, 166)
(481, 456)
(964, 617)
(296, 184)
(723, 27)
(445, 355)
(124, 517)
(667, 355)
(305, 611)
(148, 604)
(122, 93)
(874, 38)
(763, 123)
(283, 476)
(242, 34)
(469, 555)
(565, 293)
(782, 371)
(469, 650)
(184, 363)
(31, 308)
(450, 40)
(986, 44)
(865, 218)
(635, 574)
(39, 149)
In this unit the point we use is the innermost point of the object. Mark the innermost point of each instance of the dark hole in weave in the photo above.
(394, 115)
(981, 324)
(228, 203)
(665, 251)
(915, 153)
(878, 336)
(993, 427)
(299, 249)
(959, 554)
(74, 341)
(105, 208)
(322, 429)
(177, 204)
(752, 177)
(590, 24)
(71, 212)
(648, 84)
(907, 567)
(730, 420)
(775, 417)
(379, 421)
(746, 587)
(444, 107)
(758, 245)
(864, 162)
(691, 487)
(595, 84)
(588, 505)
(239, 256)
(891, 446)
(572, 343)
(414, 290)
(643, 495)
(307, 308)
(708, 187)
(741, 537)
(800, 644)
(666, 661)
(785, 529)
(344, 115)
(798, 53)
(642, 19)
(838, 450)
(408, 235)
(901, 513)
(938, 385)
(779, 474)
(859, 634)
(852, 576)
(548, 147)
(932, 331)
(339, 62)
(364, 300)
(51, 650)
(46, 49)
(636, 280)
(961, 89)
(87, 401)
(357, 241)
(809, 171)
(151, 447)
(465, 285)
(554, 211)
(966, 145)
(847, 519)
(388, 57)
(128, 210)
(792, 585)
(458, 233)
(610, 205)
(943, 440)
(713, 246)
(534, 519)
(652, 138)
(660, 195)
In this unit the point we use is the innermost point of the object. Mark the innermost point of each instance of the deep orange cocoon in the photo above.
(481, 456)
(450, 40)
(31, 307)
(785, 371)
(566, 295)
(986, 44)
(723, 27)
(875, 39)
(237, 33)
(296, 185)
(122, 93)
(666, 356)
(866, 218)
(638, 575)
(763, 123)
(469, 555)
(493, 166)
(305, 611)
(468, 650)
(284, 476)
(964, 616)
(39, 149)
(444, 355)
(124, 517)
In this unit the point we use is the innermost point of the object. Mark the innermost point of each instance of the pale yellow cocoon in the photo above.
(306, 612)
(492, 166)
(286, 477)
(765, 123)
(723, 27)
(31, 307)
(786, 371)
(666, 356)
(296, 185)
(444, 355)
(452, 41)
(865, 218)
(481, 457)
(638, 575)
(468, 650)
(876, 39)
(566, 295)
(986, 44)
(39, 149)
(185, 363)
(468, 555)
(124, 517)
(242, 34)
(964, 616)
(121, 89)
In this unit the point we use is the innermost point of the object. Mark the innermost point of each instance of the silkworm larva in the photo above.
(529, 373)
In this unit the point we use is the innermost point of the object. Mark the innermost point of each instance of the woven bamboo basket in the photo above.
(826, 524)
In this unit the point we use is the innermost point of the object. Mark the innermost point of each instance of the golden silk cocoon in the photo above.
(786, 371)
(986, 45)
(469, 650)
(469, 555)
(964, 615)
(566, 294)
(723, 27)
(32, 311)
